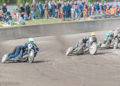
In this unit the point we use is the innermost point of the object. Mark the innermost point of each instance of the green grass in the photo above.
(37, 21)
(43, 21)
(1, 26)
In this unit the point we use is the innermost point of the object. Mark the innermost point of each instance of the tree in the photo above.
(2, 1)
(92, 0)
(22, 1)
(8, 1)
(99, 0)
(29, 1)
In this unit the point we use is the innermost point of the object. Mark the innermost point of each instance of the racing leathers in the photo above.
(107, 38)
(18, 51)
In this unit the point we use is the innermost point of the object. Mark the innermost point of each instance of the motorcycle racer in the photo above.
(83, 41)
(84, 45)
(21, 50)
(34, 46)
(107, 39)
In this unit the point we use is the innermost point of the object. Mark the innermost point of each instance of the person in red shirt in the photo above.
(1, 15)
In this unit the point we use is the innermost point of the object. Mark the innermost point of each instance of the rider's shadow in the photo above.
(35, 62)
(102, 53)
(40, 61)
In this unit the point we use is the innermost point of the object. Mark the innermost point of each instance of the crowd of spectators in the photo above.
(5, 15)
(68, 9)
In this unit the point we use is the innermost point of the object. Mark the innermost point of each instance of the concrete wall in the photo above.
(57, 29)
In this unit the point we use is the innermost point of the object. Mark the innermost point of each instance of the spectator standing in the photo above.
(82, 7)
(4, 10)
(107, 10)
(40, 8)
(73, 12)
(69, 9)
(96, 8)
(101, 9)
(18, 13)
(76, 9)
(1, 15)
(92, 10)
(27, 9)
(58, 8)
(104, 9)
(79, 9)
(66, 9)
(46, 10)
(50, 8)
(85, 11)
(118, 12)
(53, 9)
(9, 18)
(33, 10)
(89, 10)
(113, 11)
(62, 11)
(22, 11)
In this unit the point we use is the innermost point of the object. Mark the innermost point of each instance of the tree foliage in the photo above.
(30, 1)
(92, 0)
(100, 0)
(2, 1)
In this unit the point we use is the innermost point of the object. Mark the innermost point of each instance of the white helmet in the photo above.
(31, 40)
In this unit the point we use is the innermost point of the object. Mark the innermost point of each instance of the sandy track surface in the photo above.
(53, 68)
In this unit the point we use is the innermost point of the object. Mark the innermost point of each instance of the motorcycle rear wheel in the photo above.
(4, 58)
(69, 51)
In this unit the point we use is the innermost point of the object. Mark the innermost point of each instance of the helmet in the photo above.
(30, 40)
(93, 34)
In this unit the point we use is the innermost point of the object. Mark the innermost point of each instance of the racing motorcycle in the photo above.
(110, 43)
(89, 47)
(28, 56)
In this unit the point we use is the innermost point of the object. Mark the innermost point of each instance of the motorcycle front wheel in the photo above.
(93, 48)
(31, 56)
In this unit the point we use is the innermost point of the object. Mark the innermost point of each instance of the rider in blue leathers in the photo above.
(19, 51)
(107, 35)
(107, 38)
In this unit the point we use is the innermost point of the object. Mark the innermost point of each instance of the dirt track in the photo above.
(53, 68)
